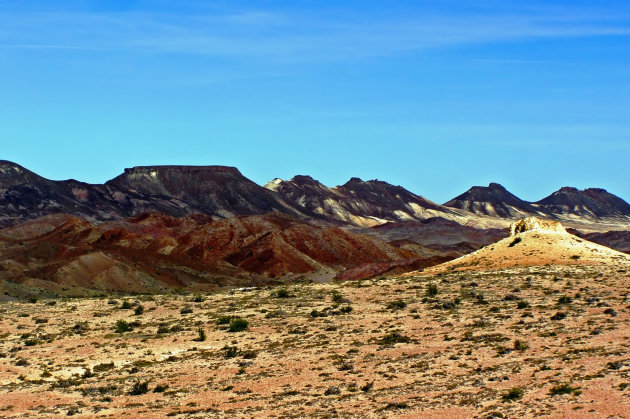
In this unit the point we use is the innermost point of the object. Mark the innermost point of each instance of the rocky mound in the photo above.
(535, 224)
(535, 242)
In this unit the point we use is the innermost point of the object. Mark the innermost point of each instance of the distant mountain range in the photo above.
(198, 227)
(223, 192)
(495, 200)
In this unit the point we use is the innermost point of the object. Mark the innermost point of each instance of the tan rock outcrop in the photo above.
(535, 224)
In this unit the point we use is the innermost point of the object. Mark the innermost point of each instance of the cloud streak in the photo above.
(291, 36)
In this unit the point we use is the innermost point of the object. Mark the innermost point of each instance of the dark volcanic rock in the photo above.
(588, 203)
(175, 190)
(216, 190)
(493, 200)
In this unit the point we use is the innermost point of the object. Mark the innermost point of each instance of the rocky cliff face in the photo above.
(493, 200)
(588, 203)
(357, 202)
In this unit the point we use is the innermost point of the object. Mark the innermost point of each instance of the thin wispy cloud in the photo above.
(286, 36)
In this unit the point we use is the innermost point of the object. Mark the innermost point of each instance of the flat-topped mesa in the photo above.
(536, 224)
(183, 169)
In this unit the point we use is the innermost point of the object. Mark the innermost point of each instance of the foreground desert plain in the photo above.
(546, 334)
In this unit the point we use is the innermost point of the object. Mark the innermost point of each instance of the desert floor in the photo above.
(550, 341)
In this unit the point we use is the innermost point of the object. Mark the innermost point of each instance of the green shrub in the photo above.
(514, 393)
(346, 309)
(126, 305)
(563, 389)
(139, 387)
(138, 310)
(519, 345)
(559, 316)
(160, 388)
(224, 320)
(282, 293)
(337, 297)
(317, 313)
(201, 335)
(432, 290)
(522, 304)
(393, 338)
(198, 298)
(238, 325)
(396, 305)
(103, 367)
(231, 351)
(123, 326)
(565, 299)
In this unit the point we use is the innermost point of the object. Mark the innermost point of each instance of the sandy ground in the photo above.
(549, 341)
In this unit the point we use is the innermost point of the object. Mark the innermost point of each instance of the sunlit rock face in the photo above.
(535, 224)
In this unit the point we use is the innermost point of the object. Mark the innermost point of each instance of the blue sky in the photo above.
(436, 96)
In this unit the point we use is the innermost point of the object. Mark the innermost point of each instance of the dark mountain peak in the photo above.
(496, 186)
(492, 200)
(301, 180)
(12, 174)
(568, 189)
(6, 164)
(589, 203)
(354, 181)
